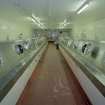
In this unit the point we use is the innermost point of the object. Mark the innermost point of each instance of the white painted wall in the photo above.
(90, 30)
(12, 29)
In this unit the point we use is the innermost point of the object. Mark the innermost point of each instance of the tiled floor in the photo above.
(53, 83)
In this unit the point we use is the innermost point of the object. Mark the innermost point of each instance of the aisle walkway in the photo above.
(53, 83)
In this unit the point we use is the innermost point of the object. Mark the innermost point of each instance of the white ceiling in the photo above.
(51, 11)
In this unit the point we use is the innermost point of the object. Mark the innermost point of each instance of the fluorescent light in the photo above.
(83, 8)
(82, 2)
(37, 21)
(33, 16)
(79, 5)
(36, 18)
(63, 24)
(102, 41)
(31, 19)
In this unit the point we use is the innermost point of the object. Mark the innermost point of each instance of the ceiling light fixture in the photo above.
(102, 42)
(84, 6)
(63, 24)
(36, 21)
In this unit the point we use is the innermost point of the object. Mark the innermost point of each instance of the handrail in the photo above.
(93, 73)
(7, 81)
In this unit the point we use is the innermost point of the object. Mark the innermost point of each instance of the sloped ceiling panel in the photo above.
(51, 11)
